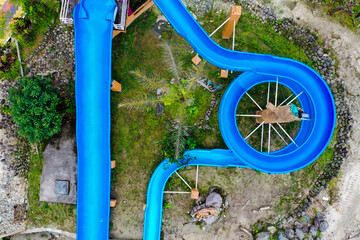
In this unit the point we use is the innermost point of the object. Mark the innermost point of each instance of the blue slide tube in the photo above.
(153, 211)
(317, 100)
(93, 38)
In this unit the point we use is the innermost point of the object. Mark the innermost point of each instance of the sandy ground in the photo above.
(344, 214)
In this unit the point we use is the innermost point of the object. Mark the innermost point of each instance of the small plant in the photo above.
(167, 205)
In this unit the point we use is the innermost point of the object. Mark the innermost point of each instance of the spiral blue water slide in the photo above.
(93, 34)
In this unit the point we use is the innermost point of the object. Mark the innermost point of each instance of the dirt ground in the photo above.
(344, 214)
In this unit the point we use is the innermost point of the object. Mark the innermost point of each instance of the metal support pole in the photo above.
(276, 90)
(287, 134)
(183, 180)
(19, 56)
(269, 138)
(247, 115)
(254, 101)
(176, 192)
(295, 98)
(285, 100)
(197, 175)
(254, 130)
(262, 138)
(279, 134)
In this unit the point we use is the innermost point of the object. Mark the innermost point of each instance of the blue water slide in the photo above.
(316, 99)
(153, 211)
(93, 38)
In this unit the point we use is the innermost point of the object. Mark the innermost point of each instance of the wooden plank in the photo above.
(234, 15)
(148, 4)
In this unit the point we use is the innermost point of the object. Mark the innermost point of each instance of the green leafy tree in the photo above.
(34, 108)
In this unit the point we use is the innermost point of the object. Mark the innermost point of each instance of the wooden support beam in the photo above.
(234, 16)
(148, 4)
(116, 32)
(194, 194)
(113, 164)
(196, 60)
(115, 86)
(112, 203)
(224, 73)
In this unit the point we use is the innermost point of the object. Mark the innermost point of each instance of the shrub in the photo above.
(3, 22)
(34, 108)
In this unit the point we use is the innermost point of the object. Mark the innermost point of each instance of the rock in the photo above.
(324, 225)
(282, 236)
(214, 200)
(319, 216)
(263, 236)
(297, 225)
(210, 220)
(316, 224)
(289, 233)
(159, 109)
(313, 231)
(300, 234)
(271, 229)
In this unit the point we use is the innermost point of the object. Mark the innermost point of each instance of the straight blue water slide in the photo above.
(93, 34)
(93, 39)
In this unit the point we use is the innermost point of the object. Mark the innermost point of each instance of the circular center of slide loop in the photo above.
(278, 107)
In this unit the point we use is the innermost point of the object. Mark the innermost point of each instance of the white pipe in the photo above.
(269, 138)
(262, 138)
(254, 101)
(294, 98)
(183, 180)
(276, 90)
(287, 134)
(171, 192)
(197, 175)
(254, 130)
(285, 100)
(247, 115)
(268, 94)
(279, 135)
(217, 29)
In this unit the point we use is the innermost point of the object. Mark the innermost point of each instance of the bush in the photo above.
(34, 108)
(3, 22)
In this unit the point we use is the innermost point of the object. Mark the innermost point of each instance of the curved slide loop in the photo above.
(153, 211)
(93, 36)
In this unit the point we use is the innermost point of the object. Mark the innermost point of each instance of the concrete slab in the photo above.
(60, 163)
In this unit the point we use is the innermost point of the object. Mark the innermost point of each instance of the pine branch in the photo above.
(194, 79)
(150, 83)
(179, 141)
(141, 103)
(170, 60)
